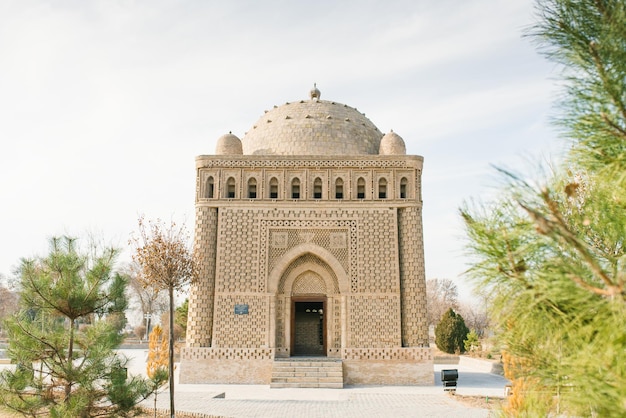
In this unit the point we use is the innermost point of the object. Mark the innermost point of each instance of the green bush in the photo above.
(451, 333)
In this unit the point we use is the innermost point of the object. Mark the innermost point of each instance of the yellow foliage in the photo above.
(528, 397)
(158, 347)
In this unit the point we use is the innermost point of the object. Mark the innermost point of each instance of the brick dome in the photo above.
(392, 144)
(228, 144)
(312, 127)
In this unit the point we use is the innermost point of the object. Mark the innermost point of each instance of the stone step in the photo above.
(277, 385)
(307, 373)
(307, 364)
(314, 373)
(299, 367)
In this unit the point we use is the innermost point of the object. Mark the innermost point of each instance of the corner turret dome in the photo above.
(392, 144)
(312, 127)
(228, 144)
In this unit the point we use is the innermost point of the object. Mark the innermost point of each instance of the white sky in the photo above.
(104, 104)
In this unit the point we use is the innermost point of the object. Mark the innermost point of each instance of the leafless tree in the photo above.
(167, 263)
(476, 317)
(441, 294)
(9, 299)
(151, 301)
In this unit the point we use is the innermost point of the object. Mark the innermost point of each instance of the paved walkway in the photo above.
(361, 402)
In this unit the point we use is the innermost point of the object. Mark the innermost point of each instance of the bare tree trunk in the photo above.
(171, 365)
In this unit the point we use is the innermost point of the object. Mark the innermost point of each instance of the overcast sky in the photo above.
(105, 104)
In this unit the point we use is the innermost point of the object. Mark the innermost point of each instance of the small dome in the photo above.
(392, 144)
(228, 144)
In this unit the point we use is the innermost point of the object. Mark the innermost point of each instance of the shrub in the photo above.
(451, 332)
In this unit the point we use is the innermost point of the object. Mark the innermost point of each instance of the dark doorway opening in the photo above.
(308, 328)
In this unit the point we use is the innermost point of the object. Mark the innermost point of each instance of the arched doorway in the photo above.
(308, 322)
(308, 309)
(308, 327)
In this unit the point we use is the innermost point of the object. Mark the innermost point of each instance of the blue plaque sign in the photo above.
(241, 309)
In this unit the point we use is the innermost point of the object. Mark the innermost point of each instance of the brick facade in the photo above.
(343, 232)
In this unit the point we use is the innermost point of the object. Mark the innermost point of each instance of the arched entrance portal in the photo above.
(308, 323)
(308, 309)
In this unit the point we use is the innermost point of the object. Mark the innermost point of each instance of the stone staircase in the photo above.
(307, 372)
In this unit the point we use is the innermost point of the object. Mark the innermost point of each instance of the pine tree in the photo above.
(472, 342)
(182, 313)
(552, 256)
(66, 364)
(451, 332)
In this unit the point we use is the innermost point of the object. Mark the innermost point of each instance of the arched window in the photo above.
(317, 188)
(382, 189)
(210, 188)
(273, 188)
(339, 189)
(295, 188)
(230, 188)
(360, 188)
(403, 184)
(252, 188)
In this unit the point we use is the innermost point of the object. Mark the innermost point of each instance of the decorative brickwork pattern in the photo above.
(238, 252)
(309, 283)
(313, 260)
(213, 353)
(315, 231)
(412, 354)
(334, 306)
(200, 318)
(378, 255)
(330, 162)
(377, 232)
(374, 321)
(247, 331)
(280, 322)
(412, 278)
(283, 177)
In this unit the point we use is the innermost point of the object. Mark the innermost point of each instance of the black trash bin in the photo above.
(449, 378)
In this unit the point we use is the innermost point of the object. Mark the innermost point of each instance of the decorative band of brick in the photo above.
(213, 353)
(370, 161)
(400, 353)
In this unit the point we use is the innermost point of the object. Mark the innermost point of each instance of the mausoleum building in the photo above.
(309, 235)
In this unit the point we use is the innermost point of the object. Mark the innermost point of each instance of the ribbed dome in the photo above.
(392, 144)
(312, 127)
(228, 144)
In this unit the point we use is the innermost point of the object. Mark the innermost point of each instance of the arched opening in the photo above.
(382, 189)
(295, 188)
(252, 188)
(317, 188)
(403, 186)
(308, 277)
(273, 189)
(209, 188)
(230, 188)
(339, 188)
(308, 329)
(360, 188)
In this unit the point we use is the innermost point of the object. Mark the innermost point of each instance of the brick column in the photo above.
(412, 278)
(201, 295)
